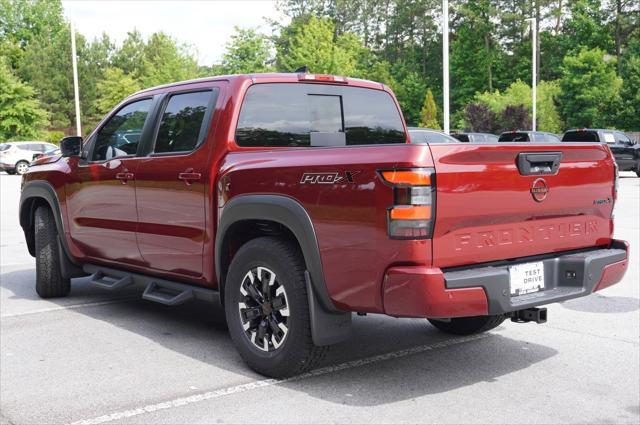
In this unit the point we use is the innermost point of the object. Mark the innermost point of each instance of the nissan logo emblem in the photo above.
(539, 190)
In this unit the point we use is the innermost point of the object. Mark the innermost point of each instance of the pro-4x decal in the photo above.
(329, 178)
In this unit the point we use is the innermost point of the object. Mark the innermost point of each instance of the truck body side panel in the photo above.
(349, 217)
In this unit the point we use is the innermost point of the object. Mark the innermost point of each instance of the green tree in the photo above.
(247, 52)
(20, 113)
(165, 61)
(519, 93)
(588, 88)
(312, 44)
(130, 57)
(629, 105)
(410, 93)
(113, 88)
(22, 21)
(474, 52)
(47, 67)
(429, 112)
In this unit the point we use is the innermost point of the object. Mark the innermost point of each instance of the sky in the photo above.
(206, 25)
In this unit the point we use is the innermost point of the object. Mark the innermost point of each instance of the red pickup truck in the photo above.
(296, 199)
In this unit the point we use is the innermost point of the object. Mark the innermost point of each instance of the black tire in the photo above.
(21, 167)
(297, 353)
(49, 280)
(468, 325)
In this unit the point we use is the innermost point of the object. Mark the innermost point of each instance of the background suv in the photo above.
(16, 156)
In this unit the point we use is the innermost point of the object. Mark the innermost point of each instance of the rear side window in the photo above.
(4, 146)
(580, 136)
(317, 115)
(622, 138)
(514, 137)
(182, 127)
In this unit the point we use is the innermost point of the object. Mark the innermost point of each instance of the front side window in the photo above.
(120, 136)
(181, 127)
(286, 114)
(622, 138)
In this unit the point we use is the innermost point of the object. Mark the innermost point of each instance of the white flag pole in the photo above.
(76, 91)
(445, 63)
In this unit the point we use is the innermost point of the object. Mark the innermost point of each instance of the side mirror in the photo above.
(71, 146)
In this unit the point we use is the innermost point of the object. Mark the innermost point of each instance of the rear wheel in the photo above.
(49, 280)
(468, 325)
(267, 308)
(22, 167)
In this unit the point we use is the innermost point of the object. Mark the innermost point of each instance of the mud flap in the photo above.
(68, 269)
(326, 327)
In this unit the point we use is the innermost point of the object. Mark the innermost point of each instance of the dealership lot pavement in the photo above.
(101, 357)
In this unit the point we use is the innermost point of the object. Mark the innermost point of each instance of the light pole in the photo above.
(76, 91)
(534, 79)
(445, 63)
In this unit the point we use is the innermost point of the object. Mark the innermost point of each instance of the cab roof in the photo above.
(274, 77)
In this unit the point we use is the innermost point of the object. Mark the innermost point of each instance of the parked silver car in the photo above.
(16, 156)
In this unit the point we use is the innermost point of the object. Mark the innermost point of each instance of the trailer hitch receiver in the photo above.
(538, 315)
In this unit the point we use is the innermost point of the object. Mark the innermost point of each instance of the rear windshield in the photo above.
(461, 137)
(580, 136)
(290, 114)
(4, 146)
(514, 137)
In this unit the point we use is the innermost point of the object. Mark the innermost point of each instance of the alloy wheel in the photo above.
(22, 167)
(264, 309)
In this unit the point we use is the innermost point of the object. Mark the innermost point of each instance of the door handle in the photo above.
(189, 177)
(124, 177)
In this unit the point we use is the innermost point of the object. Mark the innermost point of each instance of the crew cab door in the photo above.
(623, 151)
(101, 198)
(171, 183)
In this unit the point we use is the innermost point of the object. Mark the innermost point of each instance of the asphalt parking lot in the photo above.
(100, 357)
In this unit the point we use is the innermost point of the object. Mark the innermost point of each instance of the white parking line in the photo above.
(184, 401)
(66, 307)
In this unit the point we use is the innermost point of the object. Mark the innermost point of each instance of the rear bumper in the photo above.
(416, 291)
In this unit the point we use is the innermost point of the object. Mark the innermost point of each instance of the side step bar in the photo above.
(110, 282)
(158, 290)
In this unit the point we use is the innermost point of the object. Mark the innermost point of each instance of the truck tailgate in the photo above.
(486, 209)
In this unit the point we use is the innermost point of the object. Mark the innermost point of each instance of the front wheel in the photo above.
(468, 325)
(49, 280)
(267, 308)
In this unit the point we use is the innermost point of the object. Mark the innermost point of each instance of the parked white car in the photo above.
(16, 156)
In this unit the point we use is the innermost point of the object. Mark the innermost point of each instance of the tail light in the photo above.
(413, 211)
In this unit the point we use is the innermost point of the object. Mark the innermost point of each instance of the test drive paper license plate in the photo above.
(526, 278)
